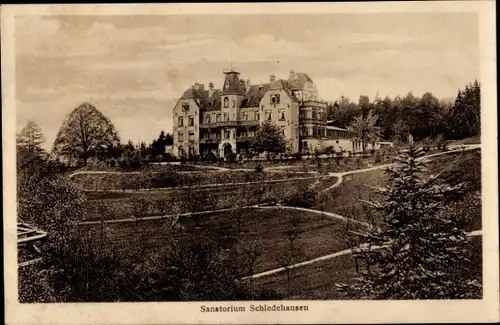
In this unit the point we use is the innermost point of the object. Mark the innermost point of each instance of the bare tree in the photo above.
(291, 252)
(322, 200)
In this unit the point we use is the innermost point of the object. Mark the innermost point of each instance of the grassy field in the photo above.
(119, 205)
(317, 281)
(143, 180)
(455, 168)
(270, 228)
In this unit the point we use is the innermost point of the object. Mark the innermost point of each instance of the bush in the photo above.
(301, 196)
(231, 157)
(297, 156)
(209, 157)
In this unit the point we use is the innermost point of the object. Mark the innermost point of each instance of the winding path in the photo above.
(325, 258)
(340, 175)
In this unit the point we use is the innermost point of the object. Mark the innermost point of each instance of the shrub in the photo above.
(231, 157)
(297, 156)
(301, 196)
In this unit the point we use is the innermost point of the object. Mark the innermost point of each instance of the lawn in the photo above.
(455, 168)
(270, 228)
(119, 205)
(317, 281)
(143, 180)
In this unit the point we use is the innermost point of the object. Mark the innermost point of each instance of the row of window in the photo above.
(180, 136)
(315, 115)
(312, 131)
(182, 152)
(190, 121)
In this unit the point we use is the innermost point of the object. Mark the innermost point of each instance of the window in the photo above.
(245, 116)
(226, 102)
(302, 114)
(257, 116)
(234, 103)
(282, 114)
(191, 121)
(217, 118)
(268, 115)
(282, 129)
(185, 106)
(227, 134)
(191, 151)
(275, 99)
(181, 152)
(226, 116)
(191, 136)
(181, 136)
(181, 121)
(207, 118)
(314, 114)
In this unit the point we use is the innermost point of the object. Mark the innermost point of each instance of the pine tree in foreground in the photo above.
(419, 252)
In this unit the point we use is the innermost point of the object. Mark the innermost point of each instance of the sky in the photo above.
(134, 68)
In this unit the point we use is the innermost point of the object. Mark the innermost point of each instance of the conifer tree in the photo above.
(418, 252)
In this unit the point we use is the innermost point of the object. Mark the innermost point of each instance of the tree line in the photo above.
(87, 133)
(422, 117)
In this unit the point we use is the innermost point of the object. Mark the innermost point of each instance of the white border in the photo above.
(486, 310)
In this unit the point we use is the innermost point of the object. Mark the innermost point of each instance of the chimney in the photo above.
(210, 89)
(272, 78)
(242, 85)
(292, 74)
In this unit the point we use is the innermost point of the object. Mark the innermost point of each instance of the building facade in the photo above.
(223, 121)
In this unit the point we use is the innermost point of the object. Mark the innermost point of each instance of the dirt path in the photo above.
(325, 258)
(340, 175)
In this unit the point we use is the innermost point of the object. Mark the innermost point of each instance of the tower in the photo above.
(233, 93)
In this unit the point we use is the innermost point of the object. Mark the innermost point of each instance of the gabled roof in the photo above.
(298, 80)
(254, 95)
(201, 97)
(281, 84)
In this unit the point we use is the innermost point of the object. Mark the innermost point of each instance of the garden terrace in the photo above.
(318, 281)
(120, 205)
(151, 180)
(316, 236)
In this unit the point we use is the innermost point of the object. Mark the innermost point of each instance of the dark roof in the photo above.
(201, 97)
(298, 81)
(232, 84)
(254, 94)
(281, 84)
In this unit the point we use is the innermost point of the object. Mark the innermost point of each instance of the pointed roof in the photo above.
(254, 95)
(232, 84)
(298, 80)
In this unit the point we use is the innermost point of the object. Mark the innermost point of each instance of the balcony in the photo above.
(242, 138)
(210, 140)
(313, 103)
(227, 123)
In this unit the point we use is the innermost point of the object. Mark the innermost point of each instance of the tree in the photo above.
(85, 133)
(291, 252)
(31, 138)
(365, 128)
(417, 252)
(268, 138)
(466, 113)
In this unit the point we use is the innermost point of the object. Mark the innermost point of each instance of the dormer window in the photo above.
(185, 106)
(275, 99)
